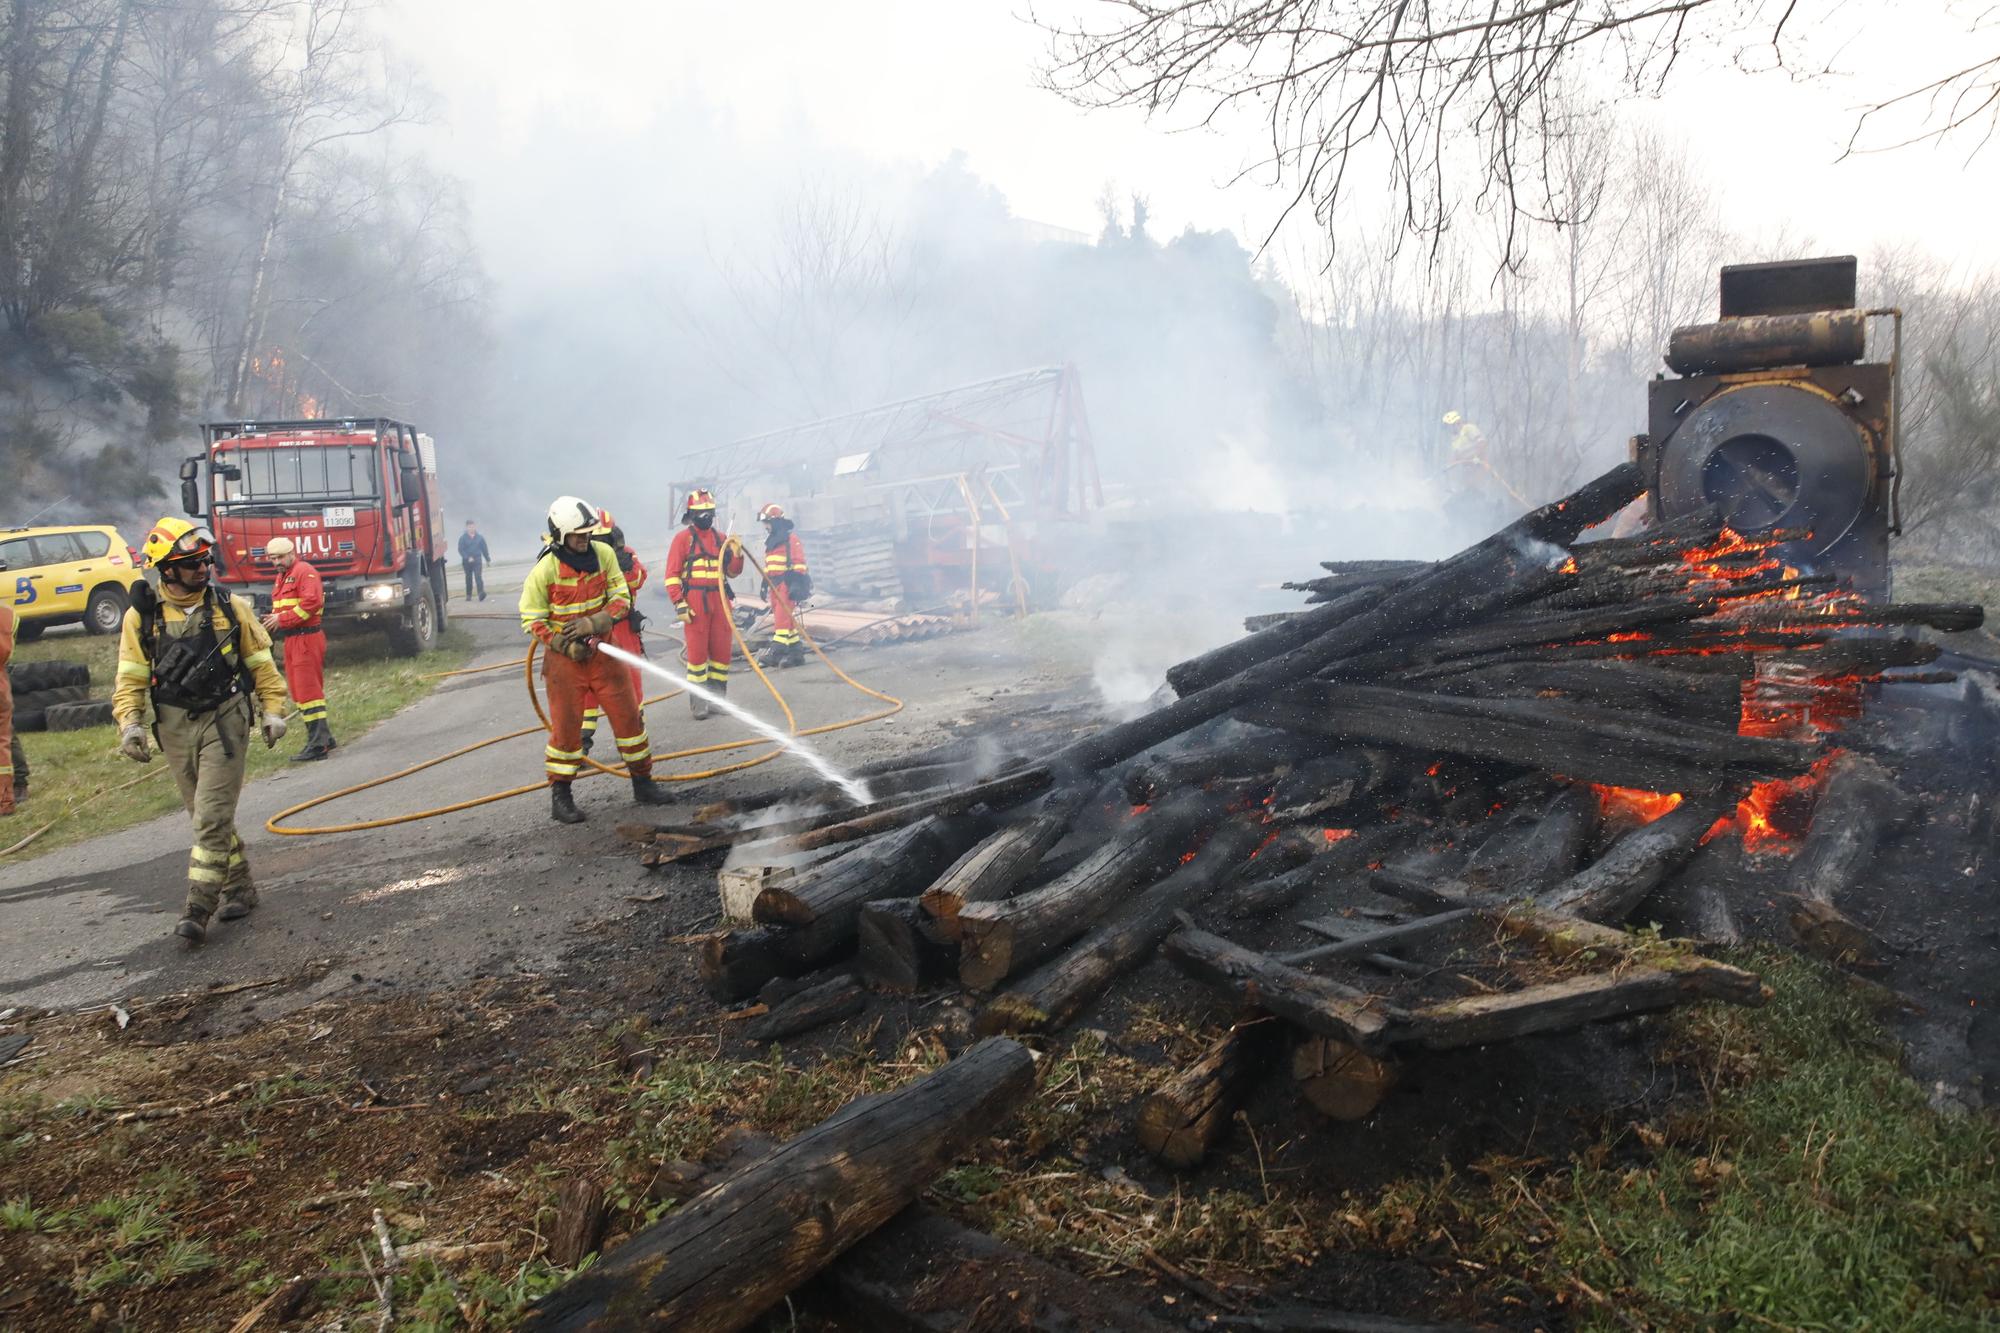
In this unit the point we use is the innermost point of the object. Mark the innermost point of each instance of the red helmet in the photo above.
(605, 524)
(769, 512)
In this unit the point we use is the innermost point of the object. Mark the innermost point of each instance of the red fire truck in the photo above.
(357, 495)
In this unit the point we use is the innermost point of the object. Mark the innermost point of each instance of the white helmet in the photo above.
(569, 514)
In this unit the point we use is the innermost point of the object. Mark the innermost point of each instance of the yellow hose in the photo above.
(272, 824)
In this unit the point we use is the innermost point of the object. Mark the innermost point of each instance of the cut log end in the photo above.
(1340, 1081)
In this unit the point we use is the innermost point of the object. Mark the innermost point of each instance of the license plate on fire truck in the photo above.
(337, 516)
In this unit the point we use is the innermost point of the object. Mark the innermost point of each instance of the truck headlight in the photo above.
(382, 592)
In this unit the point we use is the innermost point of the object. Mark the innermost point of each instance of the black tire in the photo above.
(76, 717)
(27, 677)
(106, 611)
(418, 630)
(31, 719)
(29, 631)
(35, 700)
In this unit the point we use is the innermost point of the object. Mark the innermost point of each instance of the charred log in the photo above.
(1187, 1115)
(902, 947)
(1639, 861)
(828, 1002)
(999, 939)
(1055, 994)
(830, 897)
(726, 1256)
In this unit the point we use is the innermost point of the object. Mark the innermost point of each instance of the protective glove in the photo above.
(600, 622)
(274, 730)
(132, 744)
(684, 611)
(578, 650)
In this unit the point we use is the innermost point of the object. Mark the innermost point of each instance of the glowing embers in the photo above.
(1333, 835)
(1631, 805)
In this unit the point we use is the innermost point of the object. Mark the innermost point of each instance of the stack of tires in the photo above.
(55, 696)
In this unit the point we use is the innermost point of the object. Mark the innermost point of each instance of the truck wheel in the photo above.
(418, 631)
(106, 611)
(75, 717)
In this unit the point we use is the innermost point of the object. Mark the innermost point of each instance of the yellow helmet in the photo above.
(175, 539)
(698, 501)
(1452, 418)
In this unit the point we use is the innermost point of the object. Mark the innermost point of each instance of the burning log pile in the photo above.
(1411, 815)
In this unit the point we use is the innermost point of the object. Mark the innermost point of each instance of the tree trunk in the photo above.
(1055, 994)
(726, 1256)
(1185, 1117)
(997, 940)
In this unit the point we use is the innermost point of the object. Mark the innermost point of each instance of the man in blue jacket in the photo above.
(472, 553)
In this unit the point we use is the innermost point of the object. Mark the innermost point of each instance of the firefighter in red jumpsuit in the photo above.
(786, 584)
(624, 634)
(297, 604)
(697, 564)
(575, 595)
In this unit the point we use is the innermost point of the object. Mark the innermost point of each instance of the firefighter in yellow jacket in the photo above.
(201, 665)
(574, 597)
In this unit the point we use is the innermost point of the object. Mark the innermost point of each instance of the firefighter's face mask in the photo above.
(703, 519)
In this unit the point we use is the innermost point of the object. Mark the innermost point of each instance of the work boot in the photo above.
(772, 656)
(316, 744)
(562, 805)
(589, 739)
(236, 903)
(193, 925)
(795, 655)
(698, 706)
(326, 737)
(645, 791)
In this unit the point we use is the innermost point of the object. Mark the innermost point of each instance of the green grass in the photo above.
(1817, 1190)
(81, 777)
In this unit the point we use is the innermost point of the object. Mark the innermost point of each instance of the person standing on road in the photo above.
(16, 768)
(297, 602)
(698, 562)
(201, 664)
(786, 584)
(473, 555)
(574, 596)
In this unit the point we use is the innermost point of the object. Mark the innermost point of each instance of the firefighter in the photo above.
(201, 664)
(625, 634)
(575, 595)
(786, 584)
(297, 603)
(1475, 492)
(16, 768)
(697, 564)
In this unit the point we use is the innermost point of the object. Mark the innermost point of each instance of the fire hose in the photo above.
(274, 823)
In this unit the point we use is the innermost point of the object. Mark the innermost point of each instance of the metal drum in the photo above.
(1771, 456)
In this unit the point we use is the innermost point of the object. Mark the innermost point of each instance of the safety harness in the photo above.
(192, 670)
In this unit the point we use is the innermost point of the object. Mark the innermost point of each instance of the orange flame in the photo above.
(1631, 803)
(1333, 835)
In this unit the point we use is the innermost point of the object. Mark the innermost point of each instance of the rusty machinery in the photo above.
(1776, 421)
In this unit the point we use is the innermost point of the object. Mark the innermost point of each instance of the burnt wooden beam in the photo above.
(831, 894)
(726, 1256)
(995, 867)
(1313, 1003)
(900, 947)
(1593, 997)
(828, 1002)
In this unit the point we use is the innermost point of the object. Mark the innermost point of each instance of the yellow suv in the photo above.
(61, 575)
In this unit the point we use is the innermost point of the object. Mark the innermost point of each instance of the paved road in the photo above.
(496, 888)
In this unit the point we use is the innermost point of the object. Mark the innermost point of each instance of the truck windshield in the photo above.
(286, 473)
